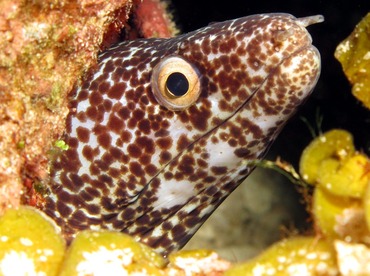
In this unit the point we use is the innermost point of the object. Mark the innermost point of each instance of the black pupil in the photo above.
(177, 84)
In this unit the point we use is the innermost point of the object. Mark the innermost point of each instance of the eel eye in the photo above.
(175, 83)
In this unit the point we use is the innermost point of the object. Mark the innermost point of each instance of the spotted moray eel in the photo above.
(162, 131)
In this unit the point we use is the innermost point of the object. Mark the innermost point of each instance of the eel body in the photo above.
(161, 132)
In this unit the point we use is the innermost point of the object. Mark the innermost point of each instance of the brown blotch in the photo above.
(185, 169)
(104, 87)
(81, 116)
(178, 231)
(201, 163)
(164, 143)
(71, 155)
(124, 113)
(209, 179)
(235, 131)
(92, 112)
(224, 106)
(135, 168)
(63, 209)
(164, 157)
(105, 180)
(93, 209)
(64, 196)
(94, 170)
(179, 176)
(167, 225)
(242, 152)
(99, 129)
(143, 220)
(126, 136)
(151, 170)
(214, 140)
(146, 143)
(134, 151)
(144, 126)
(138, 114)
(107, 158)
(199, 118)
(232, 142)
(104, 140)
(102, 165)
(79, 216)
(85, 196)
(242, 94)
(128, 214)
(117, 73)
(95, 98)
(144, 99)
(83, 95)
(183, 142)
(168, 175)
(117, 224)
(211, 191)
(124, 159)
(93, 192)
(109, 66)
(83, 134)
(218, 170)
(115, 124)
(192, 221)
(114, 172)
(132, 122)
(162, 133)
(107, 203)
(77, 181)
(116, 92)
(165, 124)
(145, 159)
(116, 153)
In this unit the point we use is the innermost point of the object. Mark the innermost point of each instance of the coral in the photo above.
(331, 162)
(46, 46)
(353, 259)
(335, 145)
(29, 243)
(114, 253)
(354, 55)
(333, 214)
(41, 250)
(295, 256)
(341, 176)
(196, 262)
(152, 19)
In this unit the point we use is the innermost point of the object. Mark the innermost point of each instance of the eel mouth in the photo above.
(282, 36)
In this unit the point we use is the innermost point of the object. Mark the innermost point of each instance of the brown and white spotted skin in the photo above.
(154, 157)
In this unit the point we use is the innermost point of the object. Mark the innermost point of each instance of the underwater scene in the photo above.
(149, 137)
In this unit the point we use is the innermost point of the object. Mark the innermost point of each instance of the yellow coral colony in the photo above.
(354, 55)
(341, 213)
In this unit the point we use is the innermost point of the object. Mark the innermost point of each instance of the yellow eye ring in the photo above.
(175, 83)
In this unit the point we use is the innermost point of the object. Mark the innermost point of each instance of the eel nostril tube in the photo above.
(309, 20)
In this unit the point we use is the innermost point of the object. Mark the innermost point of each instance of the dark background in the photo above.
(332, 96)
